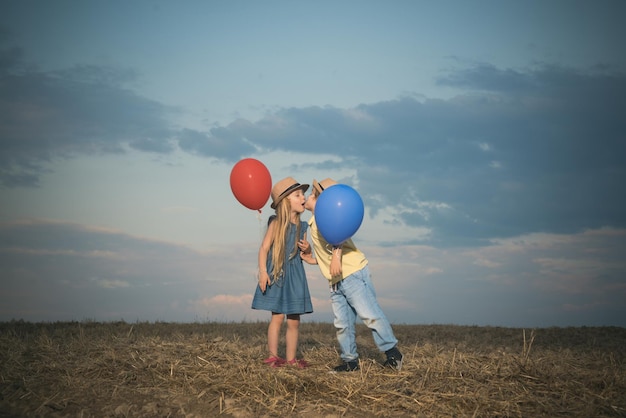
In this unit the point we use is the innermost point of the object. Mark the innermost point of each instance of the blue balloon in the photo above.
(338, 213)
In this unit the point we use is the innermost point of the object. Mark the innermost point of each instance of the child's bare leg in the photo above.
(273, 333)
(291, 337)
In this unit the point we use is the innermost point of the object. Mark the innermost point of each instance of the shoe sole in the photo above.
(397, 367)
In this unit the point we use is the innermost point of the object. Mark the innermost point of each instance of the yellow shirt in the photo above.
(352, 260)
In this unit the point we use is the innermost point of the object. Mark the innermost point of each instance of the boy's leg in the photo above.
(345, 318)
(361, 296)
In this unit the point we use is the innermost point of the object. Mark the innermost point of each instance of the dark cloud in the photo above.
(490, 78)
(90, 109)
(62, 114)
(220, 143)
(9, 58)
(521, 151)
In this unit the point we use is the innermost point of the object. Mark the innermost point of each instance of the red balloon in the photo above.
(251, 183)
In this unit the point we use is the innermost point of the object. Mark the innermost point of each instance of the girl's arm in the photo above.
(264, 278)
(305, 251)
(304, 245)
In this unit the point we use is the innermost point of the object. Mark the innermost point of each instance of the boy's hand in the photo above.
(335, 267)
(335, 262)
(308, 257)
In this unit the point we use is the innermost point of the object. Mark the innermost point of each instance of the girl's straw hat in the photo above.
(324, 184)
(283, 188)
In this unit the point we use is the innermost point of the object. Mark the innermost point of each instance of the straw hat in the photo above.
(324, 184)
(283, 188)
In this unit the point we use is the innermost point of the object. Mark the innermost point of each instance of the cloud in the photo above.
(219, 143)
(225, 307)
(65, 271)
(111, 284)
(70, 271)
(490, 78)
(89, 110)
(529, 279)
(518, 151)
(48, 115)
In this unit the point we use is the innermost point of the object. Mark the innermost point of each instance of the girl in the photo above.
(283, 289)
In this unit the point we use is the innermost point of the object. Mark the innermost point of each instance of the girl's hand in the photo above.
(264, 280)
(304, 246)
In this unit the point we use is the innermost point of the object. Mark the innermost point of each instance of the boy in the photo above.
(351, 291)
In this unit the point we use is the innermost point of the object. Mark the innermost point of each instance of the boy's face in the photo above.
(310, 202)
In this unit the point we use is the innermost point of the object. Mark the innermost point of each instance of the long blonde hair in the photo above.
(279, 237)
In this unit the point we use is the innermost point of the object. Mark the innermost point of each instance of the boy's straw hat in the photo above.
(324, 184)
(283, 188)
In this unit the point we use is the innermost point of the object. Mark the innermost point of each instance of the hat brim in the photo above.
(317, 186)
(289, 190)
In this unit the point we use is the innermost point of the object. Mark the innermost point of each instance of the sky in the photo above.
(487, 140)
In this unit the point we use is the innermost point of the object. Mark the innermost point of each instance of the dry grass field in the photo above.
(84, 369)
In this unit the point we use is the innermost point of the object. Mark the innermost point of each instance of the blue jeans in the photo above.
(355, 296)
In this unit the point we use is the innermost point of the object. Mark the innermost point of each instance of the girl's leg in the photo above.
(273, 333)
(291, 337)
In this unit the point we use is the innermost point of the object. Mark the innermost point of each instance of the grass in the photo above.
(215, 369)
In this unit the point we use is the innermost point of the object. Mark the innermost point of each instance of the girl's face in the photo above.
(310, 202)
(296, 201)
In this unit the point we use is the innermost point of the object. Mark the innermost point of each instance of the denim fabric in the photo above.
(355, 296)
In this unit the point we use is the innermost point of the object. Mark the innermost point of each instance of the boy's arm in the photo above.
(335, 262)
(308, 258)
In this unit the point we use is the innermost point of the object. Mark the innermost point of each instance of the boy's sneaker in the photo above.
(394, 359)
(348, 366)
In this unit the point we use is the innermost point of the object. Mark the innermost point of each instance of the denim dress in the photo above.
(289, 294)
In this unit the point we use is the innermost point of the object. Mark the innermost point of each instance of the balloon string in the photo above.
(258, 217)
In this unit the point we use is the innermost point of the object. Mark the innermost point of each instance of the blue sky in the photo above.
(487, 140)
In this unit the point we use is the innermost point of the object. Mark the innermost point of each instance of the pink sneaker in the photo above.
(274, 361)
(301, 364)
